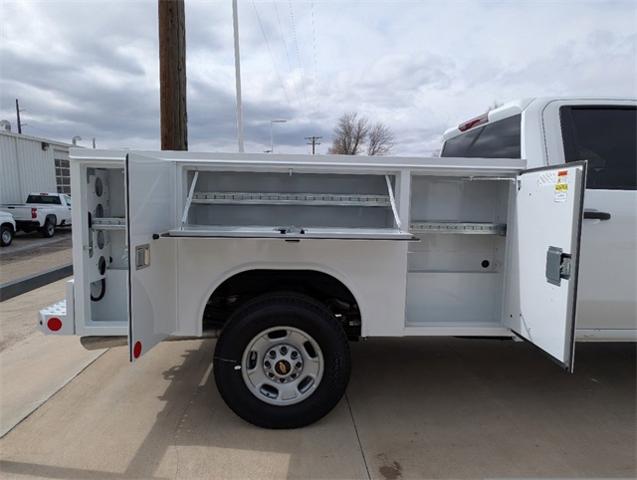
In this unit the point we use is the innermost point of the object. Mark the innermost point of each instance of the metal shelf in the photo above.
(108, 223)
(315, 199)
(472, 228)
(288, 233)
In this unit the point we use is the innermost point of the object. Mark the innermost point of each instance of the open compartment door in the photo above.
(544, 240)
(152, 287)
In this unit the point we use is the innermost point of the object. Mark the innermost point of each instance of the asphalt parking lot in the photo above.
(29, 254)
(415, 408)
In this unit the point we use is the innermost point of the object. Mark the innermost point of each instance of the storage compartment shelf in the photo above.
(289, 233)
(474, 228)
(316, 199)
(108, 223)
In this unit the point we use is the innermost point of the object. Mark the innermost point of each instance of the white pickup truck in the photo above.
(291, 256)
(553, 131)
(42, 211)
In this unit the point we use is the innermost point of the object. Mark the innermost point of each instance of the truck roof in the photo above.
(516, 107)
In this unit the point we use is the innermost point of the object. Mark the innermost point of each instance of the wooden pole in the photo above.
(172, 75)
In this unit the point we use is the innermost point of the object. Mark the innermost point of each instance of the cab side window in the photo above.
(606, 136)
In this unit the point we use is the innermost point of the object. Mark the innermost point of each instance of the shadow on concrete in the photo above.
(422, 408)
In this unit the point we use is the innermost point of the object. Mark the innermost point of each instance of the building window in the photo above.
(63, 176)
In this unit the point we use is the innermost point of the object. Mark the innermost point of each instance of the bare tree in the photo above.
(349, 134)
(380, 140)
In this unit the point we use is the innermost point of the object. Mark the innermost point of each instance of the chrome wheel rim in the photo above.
(6, 236)
(282, 366)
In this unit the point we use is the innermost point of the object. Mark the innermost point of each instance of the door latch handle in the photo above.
(595, 215)
(558, 266)
(142, 256)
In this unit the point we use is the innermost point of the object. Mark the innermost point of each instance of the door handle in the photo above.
(595, 215)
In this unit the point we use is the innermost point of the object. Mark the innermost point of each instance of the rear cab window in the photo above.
(45, 199)
(606, 136)
(500, 139)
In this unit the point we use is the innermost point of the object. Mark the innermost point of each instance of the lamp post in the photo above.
(237, 75)
(272, 122)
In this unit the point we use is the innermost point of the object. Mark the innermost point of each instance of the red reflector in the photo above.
(34, 213)
(137, 349)
(562, 173)
(54, 324)
(463, 127)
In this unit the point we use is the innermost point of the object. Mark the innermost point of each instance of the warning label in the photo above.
(561, 192)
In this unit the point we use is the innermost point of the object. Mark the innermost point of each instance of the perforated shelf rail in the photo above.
(317, 199)
(475, 228)
(108, 223)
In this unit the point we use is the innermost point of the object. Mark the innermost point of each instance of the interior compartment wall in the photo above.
(287, 215)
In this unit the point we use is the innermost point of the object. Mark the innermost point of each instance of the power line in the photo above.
(313, 141)
(313, 42)
(267, 43)
(285, 44)
(280, 30)
(296, 46)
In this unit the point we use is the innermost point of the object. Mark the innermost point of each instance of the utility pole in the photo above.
(237, 74)
(172, 75)
(17, 113)
(313, 141)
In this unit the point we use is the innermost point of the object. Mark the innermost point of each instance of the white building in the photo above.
(32, 164)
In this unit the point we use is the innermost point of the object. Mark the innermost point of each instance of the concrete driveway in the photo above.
(415, 408)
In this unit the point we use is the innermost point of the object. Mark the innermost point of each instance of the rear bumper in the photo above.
(59, 318)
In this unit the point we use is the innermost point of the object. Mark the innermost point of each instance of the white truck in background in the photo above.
(42, 211)
(553, 131)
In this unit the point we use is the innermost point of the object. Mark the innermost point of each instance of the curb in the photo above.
(19, 286)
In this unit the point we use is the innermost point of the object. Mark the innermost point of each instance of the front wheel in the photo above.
(282, 361)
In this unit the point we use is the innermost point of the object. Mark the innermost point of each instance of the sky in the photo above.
(91, 68)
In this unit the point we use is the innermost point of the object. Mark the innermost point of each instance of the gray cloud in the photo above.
(91, 68)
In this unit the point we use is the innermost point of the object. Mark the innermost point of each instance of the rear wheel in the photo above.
(48, 230)
(6, 235)
(282, 361)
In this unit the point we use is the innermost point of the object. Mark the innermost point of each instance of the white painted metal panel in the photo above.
(26, 165)
(152, 262)
(448, 298)
(9, 174)
(374, 271)
(547, 213)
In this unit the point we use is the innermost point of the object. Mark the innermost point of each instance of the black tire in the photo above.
(282, 310)
(6, 235)
(48, 230)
